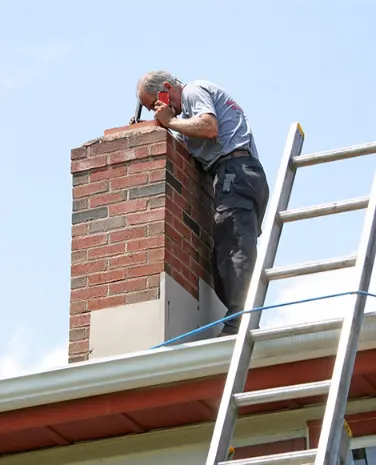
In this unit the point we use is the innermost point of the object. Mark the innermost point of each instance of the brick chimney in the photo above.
(141, 243)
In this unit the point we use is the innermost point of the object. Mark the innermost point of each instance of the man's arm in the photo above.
(204, 126)
(201, 121)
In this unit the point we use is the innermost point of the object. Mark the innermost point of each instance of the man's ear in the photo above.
(167, 85)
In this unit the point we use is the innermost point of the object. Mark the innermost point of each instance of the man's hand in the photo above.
(163, 113)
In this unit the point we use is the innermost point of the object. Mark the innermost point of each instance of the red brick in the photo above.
(141, 152)
(188, 275)
(128, 155)
(173, 209)
(78, 256)
(158, 175)
(154, 281)
(156, 255)
(90, 189)
(77, 321)
(158, 149)
(110, 173)
(180, 176)
(77, 283)
(132, 127)
(172, 245)
(141, 167)
(106, 251)
(128, 286)
(172, 261)
(182, 153)
(106, 199)
(80, 178)
(87, 268)
(88, 164)
(126, 260)
(107, 302)
(144, 270)
(182, 202)
(204, 251)
(181, 228)
(190, 250)
(145, 244)
(176, 159)
(107, 277)
(78, 153)
(109, 146)
(156, 202)
(128, 207)
(199, 216)
(78, 358)
(146, 137)
(191, 171)
(77, 307)
(86, 242)
(78, 347)
(183, 256)
(89, 293)
(122, 156)
(181, 280)
(173, 234)
(78, 334)
(79, 230)
(141, 296)
(128, 233)
(129, 181)
(156, 228)
(169, 191)
(147, 216)
(205, 263)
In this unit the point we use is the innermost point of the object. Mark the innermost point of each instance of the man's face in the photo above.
(149, 100)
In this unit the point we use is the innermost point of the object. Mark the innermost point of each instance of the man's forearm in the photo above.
(197, 126)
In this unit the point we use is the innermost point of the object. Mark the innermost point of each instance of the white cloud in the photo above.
(312, 287)
(19, 357)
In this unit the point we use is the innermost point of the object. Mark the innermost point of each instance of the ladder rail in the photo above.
(302, 269)
(237, 374)
(331, 208)
(347, 347)
(330, 448)
(335, 155)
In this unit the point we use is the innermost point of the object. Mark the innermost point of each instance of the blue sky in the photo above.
(68, 71)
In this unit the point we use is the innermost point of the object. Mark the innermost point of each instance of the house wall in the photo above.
(262, 434)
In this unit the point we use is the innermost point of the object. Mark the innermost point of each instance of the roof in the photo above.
(165, 387)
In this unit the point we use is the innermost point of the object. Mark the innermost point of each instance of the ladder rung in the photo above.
(301, 269)
(294, 330)
(324, 209)
(302, 457)
(297, 391)
(334, 155)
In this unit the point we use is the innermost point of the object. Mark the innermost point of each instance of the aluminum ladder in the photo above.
(330, 449)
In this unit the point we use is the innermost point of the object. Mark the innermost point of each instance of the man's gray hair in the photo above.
(152, 82)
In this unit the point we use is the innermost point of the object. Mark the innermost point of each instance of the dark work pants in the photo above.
(241, 194)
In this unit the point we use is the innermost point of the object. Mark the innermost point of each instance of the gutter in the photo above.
(165, 365)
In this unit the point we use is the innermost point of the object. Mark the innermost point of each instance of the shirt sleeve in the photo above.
(198, 101)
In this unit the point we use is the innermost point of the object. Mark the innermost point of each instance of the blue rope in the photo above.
(257, 309)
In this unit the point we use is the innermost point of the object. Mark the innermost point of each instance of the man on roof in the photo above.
(215, 131)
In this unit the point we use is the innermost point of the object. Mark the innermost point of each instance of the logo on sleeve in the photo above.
(233, 105)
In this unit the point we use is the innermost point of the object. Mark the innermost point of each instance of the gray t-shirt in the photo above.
(234, 133)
